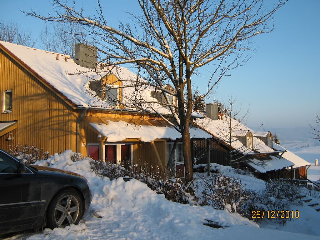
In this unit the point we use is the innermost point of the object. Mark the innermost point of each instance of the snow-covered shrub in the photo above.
(274, 200)
(75, 157)
(29, 154)
(220, 192)
(173, 189)
(107, 169)
(177, 191)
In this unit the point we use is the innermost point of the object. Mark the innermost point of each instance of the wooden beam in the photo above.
(208, 157)
(101, 148)
(132, 140)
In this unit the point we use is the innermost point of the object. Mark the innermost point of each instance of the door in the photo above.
(93, 152)
(111, 153)
(126, 156)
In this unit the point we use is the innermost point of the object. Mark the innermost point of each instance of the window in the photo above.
(159, 95)
(126, 156)
(118, 154)
(249, 143)
(177, 158)
(170, 99)
(7, 165)
(112, 95)
(178, 153)
(7, 101)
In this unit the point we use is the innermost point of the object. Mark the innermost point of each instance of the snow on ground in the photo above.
(130, 210)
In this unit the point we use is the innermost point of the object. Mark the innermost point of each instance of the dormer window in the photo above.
(245, 137)
(7, 101)
(171, 99)
(159, 95)
(165, 97)
(112, 95)
(249, 140)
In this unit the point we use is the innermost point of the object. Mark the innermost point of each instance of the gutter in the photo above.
(78, 128)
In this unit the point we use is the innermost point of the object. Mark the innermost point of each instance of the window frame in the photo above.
(109, 99)
(5, 108)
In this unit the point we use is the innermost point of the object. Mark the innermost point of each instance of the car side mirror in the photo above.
(21, 168)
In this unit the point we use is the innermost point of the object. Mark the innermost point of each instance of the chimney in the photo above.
(85, 55)
(212, 111)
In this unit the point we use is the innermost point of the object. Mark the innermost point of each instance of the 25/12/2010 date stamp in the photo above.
(275, 214)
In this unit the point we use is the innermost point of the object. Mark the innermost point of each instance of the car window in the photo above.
(7, 165)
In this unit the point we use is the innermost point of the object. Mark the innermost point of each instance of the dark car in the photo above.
(33, 197)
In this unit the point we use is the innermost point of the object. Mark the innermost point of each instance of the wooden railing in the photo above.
(302, 181)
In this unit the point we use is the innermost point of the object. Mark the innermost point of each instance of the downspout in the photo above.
(78, 128)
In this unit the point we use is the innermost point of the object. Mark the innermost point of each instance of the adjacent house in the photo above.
(235, 144)
(56, 103)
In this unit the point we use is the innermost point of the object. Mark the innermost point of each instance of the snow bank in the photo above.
(130, 210)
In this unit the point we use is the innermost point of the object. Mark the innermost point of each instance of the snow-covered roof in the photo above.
(119, 131)
(260, 134)
(196, 114)
(221, 129)
(5, 125)
(264, 166)
(260, 146)
(72, 80)
(296, 160)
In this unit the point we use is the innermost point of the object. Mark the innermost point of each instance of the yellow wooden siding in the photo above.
(45, 120)
(144, 155)
(5, 144)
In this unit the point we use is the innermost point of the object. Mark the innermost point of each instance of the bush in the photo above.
(173, 189)
(278, 196)
(106, 169)
(29, 154)
(75, 157)
(221, 192)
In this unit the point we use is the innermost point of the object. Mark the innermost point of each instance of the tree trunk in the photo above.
(186, 131)
(187, 154)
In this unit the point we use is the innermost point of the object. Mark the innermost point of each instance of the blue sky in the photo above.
(280, 85)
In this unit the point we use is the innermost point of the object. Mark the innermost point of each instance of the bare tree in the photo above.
(61, 37)
(11, 32)
(173, 40)
(316, 129)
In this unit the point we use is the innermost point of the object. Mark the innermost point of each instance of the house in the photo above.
(235, 144)
(55, 103)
